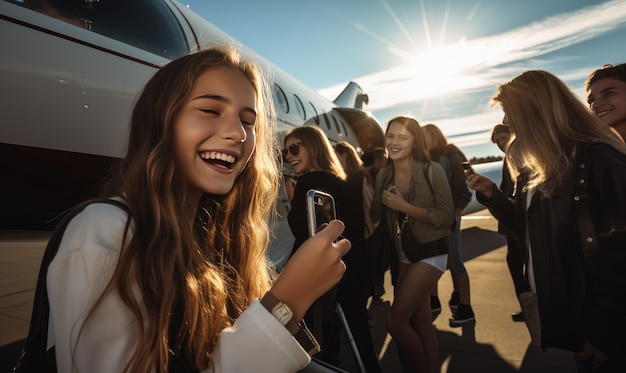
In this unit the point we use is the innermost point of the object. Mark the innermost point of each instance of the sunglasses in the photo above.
(293, 149)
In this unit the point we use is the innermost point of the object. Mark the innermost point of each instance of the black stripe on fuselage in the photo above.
(39, 184)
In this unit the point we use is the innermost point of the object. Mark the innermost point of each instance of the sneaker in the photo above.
(455, 299)
(463, 314)
(435, 305)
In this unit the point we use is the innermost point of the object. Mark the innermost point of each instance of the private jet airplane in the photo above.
(69, 73)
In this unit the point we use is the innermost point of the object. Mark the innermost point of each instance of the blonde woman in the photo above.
(571, 176)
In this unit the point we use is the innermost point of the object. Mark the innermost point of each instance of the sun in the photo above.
(434, 69)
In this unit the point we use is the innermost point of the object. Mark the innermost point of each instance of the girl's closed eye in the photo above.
(210, 111)
(248, 117)
(248, 122)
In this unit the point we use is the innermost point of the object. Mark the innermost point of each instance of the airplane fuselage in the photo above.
(69, 75)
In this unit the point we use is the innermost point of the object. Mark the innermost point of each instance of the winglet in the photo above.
(352, 96)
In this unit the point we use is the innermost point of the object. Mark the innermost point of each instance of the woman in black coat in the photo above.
(310, 154)
(564, 159)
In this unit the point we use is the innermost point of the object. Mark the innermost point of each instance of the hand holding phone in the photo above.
(320, 208)
(468, 167)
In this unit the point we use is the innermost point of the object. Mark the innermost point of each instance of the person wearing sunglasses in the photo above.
(314, 160)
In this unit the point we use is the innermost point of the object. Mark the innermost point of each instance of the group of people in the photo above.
(179, 280)
(562, 206)
(410, 193)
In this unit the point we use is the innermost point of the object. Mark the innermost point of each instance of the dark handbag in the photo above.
(34, 357)
(416, 251)
(530, 310)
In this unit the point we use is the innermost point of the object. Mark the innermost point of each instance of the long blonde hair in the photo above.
(194, 278)
(548, 122)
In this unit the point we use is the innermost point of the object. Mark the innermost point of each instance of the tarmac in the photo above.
(492, 343)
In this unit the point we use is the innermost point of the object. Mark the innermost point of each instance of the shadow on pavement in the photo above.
(477, 242)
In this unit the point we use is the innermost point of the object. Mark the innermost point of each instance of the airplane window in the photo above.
(343, 125)
(282, 98)
(316, 118)
(326, 120)
(336, 123)
(299, 106)
(149, 25)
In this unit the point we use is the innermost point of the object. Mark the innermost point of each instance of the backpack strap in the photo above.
(33, 355)
(428, 175)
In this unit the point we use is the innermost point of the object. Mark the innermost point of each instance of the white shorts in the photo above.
(440, 261)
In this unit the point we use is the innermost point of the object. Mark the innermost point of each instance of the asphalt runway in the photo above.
(493, 343)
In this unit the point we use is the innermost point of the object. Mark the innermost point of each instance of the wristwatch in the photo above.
(284, 315)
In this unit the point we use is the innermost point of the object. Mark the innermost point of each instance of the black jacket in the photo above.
(580, 298)
(451, 162)
(349, 211)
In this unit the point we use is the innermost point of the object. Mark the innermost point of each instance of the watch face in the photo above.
(282, 313)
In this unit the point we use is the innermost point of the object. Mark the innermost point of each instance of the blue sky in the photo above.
(440, 61)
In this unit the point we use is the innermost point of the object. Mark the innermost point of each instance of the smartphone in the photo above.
(468, 166)
(320, 209)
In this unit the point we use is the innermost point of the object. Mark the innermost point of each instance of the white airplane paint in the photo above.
(70, 72)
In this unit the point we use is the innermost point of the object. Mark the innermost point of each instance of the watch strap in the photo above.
(306, 339)
(299, 330)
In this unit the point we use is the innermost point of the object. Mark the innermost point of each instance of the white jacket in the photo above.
(84, 264)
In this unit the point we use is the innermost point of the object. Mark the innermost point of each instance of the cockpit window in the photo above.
(145, 24)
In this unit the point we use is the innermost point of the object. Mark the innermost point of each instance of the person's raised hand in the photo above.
(392, 199)
(313, 269)
(480, 183)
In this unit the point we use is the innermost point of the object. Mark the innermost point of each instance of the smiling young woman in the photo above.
(417, 198)
(312, 157)
(173, 282)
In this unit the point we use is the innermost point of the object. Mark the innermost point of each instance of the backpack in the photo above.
(34, 357)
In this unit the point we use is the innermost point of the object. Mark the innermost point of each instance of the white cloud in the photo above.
(480, 63)
(471, 69)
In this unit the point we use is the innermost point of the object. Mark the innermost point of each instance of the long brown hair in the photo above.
(438, 141)
(354, 164)
(196, 277)
(323, 157)
(419, 151)
(549, 122)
